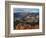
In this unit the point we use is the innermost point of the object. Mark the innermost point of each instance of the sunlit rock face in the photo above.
(26, 26)
(19, 26)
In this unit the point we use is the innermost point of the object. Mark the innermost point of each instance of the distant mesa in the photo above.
(28, 17)
(19, 15)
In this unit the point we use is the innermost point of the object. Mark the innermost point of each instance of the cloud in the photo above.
(26, 10)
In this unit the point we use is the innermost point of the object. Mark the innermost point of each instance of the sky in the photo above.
(21, 10)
